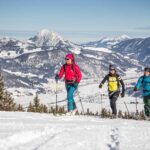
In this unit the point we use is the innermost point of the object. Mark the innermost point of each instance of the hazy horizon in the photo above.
(74, 36)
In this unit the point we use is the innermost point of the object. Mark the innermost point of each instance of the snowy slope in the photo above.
(101, 49)
(138, 48)
(92, 97)
(106, 42)
(28, 131)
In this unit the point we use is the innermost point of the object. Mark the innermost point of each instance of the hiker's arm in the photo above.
(61, 72)
(139, 83)
(122, 84)
(103, 81)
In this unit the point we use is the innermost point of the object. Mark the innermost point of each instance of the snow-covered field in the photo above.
(92, 97)
(106, 50)
(33, 131)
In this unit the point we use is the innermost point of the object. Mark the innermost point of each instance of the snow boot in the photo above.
(74, 112)
(114, 116)
(69, 113)
(147, 118)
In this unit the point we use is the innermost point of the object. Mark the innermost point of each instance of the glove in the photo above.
(56, 77)
(135, 89)
(122, 94)
(75, 84)
(100, 86)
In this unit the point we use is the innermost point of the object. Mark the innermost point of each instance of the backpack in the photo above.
(113, 83)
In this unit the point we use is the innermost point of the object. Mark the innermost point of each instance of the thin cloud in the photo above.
(143, 28)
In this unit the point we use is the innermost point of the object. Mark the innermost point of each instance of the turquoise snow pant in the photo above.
(147, 105)
(70, 93)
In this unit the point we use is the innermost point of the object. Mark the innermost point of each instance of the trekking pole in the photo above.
(101, 102)
(80, 100)
(126, 107)
(56, 94)
(136, 105)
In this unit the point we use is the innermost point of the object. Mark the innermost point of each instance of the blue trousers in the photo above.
(70, 88)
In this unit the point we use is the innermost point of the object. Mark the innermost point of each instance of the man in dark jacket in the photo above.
(114, 81)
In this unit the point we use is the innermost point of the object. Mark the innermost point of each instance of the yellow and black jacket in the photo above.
(114, 82)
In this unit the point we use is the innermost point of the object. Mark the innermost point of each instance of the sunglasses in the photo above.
(66, 58)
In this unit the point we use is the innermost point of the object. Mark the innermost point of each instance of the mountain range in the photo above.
(30, 63)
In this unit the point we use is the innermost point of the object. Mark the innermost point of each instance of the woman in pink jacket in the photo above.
(72, 77)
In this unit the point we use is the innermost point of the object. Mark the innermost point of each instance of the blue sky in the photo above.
(78, 20)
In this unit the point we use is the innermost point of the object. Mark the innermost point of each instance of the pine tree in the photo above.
(36, 101)
(9, 102)
(6, 101)
(20, 108)
(120, 114)
(104, 113)
(125, 115)
(1, 92)
(96, 114)
(60, 111)
(52, 110)
(45, 109)
(40, 108)
(31, 108)
(88, 111)
(63, 110)
(142, 115)
(1, 84)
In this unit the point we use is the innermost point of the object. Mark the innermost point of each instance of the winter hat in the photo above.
(111, 67)
(147, 69)
(70, 56)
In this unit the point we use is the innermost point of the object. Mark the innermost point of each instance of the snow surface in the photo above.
(34, 131)
(106, 50)
(8, 54)
(20, 73)
(92, 97)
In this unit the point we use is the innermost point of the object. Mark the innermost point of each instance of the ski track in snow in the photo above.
(34, 131)
(114, 135)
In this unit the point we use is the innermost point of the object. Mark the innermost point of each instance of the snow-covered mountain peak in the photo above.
(7, 39)
(44, 32)
(46, 38)
(124, 36)
(107, 42)
(48, 35)
(115, 39)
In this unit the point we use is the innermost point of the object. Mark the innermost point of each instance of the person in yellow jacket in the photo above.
(114, 81)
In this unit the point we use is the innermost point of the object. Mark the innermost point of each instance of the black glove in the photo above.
(100, 86)
(135, 89)
(75, 84)
(56, 77)
(122, 94)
